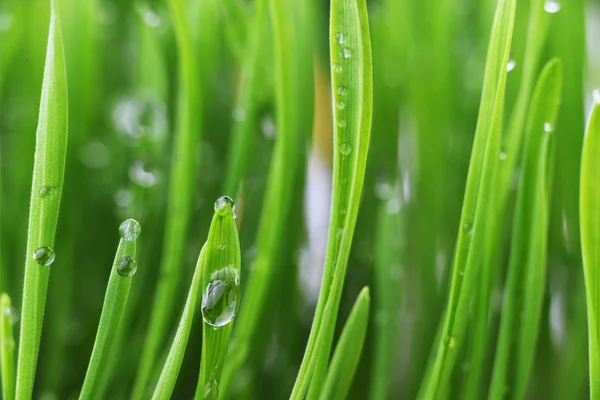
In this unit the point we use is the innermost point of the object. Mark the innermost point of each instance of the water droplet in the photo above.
(393, 205)
(130, 229)
(511, 65)
(211, 390)
(340, 105)
(341, 123)
(502, 156)
(142, 177)
(222, 202)
(548, 127)
(346, 52)
(383, 189)
(596, 96)
(552, 6)
(151, 18)
(95, 155)
(123, 197)
(221, 246)
(449, 342)
(47, 191)
(11, 314)
(468, 228)
(340, 38)
(44, 256)
(342, 90)
(220, 298)
(136, 117)
(337, 68)
(268, 127)
(126, 266)
(239, 114)
(9, 344)
(5, 21)
(345, 149)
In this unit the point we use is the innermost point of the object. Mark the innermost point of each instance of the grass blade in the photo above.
(351, 66)
(48, 175)
(526, 271)
(484, 159)
(180, 194)
(348, 350)
(590, 243)
(113, 309)
(168, 376)
(7, 348)
(221, 297)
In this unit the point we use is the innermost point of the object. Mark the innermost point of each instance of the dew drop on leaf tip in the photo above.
(130, 229)
(222, 203)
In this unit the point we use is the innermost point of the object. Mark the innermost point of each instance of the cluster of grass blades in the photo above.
(150, 110)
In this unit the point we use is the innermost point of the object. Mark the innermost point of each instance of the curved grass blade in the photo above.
(527, 265)
(471, 235)
(352, 82)
(113, 309)
(294, 80)
(221, 296)
(348, 350)
(180, 194)
(590, 243)
(48, 175)
(236, 28)
(7, 348)
(170, 372)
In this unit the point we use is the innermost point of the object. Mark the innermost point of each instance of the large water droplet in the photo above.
(222, 202)
(46, 191)
(130, 229)
(44, 256)
(126, 266)
(552, 6)
(220, 299)
(345, 149)
(511, 65)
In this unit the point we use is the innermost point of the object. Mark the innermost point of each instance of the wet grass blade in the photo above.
(352, 81)
(590, 243)
(170, 372)
(7, 348)
(527, 265)
(478, 193)
(48, 175)
(180, 194)
(220, 297)
(115, 300)
(348, 350)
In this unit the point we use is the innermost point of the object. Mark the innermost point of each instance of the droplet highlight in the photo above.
(44, 256)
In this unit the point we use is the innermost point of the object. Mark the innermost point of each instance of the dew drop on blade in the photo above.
(511, 65)
(46, 191)
(44, 256)
(345, 149)
(220, 300)
(552, 6)
(548, 127)
(130, 229)
(126, 266)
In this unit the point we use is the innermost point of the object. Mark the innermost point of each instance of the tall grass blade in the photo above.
(471, 235)
(352, 81)
(527, 265)
(7, 348)
(115, 300)
(221, 296)
(170, 371)
(180, 193)
(48, 175)
(348, 350)
(590, 243)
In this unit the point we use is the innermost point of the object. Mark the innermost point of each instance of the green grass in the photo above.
(415, 199)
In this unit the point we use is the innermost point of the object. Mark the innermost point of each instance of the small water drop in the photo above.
(341, 123)
(11, 314)
(221, 246)
(340, 38)
(123, 197)
(211, 390)
(383, 189)
(596, 96)
(268, 127)
(548, 127)
(152, 19)
(239, 114)
(141, 176)
(449, 342)
(346, 52)
(46, 191)
(342, 90)
(222, 202)
(220, 298)
(44, 256)
(552, 6)
(126, 266)
(511, 65)
(138, 116)
(130, 229)
(345, 149)
(468, 228)
(95, 155)
(337, 68)
(340, 105)
(502, 156)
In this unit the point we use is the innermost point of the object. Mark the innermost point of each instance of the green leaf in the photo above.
(180, 194)
(527, 265)
(590, 242)
(478, 193)
(348, 350)
(352, 81)
(7, 347)
(113, 309)
(170, 372)
(48, 175)
(221, 296)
